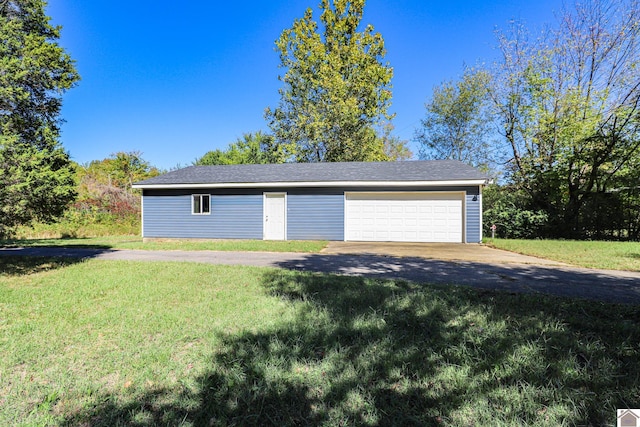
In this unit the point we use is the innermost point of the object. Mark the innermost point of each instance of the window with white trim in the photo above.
(200, 204)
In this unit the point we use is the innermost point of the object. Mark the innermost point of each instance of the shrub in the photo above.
(506, 208)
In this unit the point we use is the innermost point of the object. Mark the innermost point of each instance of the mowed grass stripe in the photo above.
(590, 254)
(123, 343)
(136, 242)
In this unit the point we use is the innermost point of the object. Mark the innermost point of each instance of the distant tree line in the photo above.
(104, 187)
(557, 120)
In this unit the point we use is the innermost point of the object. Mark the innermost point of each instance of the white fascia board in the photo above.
(313, 184)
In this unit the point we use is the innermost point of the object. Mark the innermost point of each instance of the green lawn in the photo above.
(106, 343)
(591, 254)
(135, 242)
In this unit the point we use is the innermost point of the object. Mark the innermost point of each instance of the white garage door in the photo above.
(404, 217)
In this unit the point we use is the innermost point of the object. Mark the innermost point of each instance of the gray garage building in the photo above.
(413, 201)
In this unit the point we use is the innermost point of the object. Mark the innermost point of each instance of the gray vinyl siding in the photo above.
(232, 217)
(474, 217)
(315, 216)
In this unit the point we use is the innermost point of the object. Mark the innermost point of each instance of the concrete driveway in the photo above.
(441, 251)
(533, 277)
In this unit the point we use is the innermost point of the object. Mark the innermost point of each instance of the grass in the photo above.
(590, 254)
(137, 344)
(135, 242)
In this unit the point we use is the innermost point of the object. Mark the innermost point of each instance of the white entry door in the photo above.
(275, 216)
(404, 217)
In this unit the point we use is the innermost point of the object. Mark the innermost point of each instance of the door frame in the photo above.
(266, 196)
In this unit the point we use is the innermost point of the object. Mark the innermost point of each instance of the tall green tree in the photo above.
(337, 90)
(252, 148)
(457, 122)
(36, 176)
(569, 106)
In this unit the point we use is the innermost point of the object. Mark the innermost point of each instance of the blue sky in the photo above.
(175, 80)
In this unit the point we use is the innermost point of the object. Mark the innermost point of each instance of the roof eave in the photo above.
(458, 182)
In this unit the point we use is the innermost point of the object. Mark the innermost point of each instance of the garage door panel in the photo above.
(404, 217)
(382, 222)
(424, 222)
(396, 222)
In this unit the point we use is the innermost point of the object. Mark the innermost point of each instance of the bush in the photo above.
(103, 211)
(506, 208)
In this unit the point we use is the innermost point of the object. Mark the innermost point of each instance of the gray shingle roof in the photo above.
(428, 170)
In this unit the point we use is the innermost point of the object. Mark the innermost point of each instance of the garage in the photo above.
(408, 201)
(404, 216)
